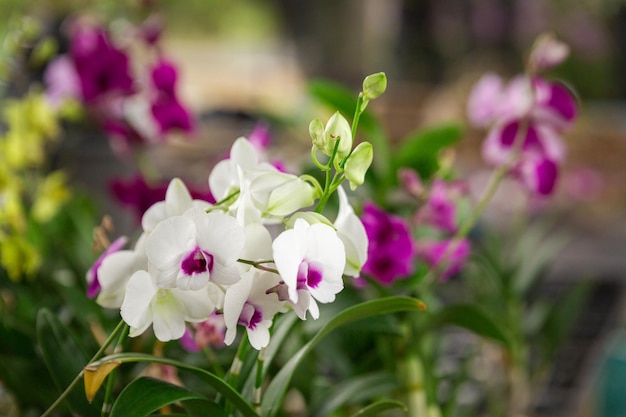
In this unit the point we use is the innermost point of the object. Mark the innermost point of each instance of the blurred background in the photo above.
(241, 60)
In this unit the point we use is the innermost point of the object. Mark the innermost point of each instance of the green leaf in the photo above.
(203, 408)
(563, 315)
(273, 397)
(420, 149)
(357, 389)
(64, 359)
(374, 410)
(473, 318)
(214, 381)
(144, 395)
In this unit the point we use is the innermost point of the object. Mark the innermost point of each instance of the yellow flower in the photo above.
(18, 256)
(50, 196)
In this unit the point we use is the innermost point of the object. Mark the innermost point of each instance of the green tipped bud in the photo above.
(337, 129)
(316, 130)
(374, 85)
(310, 217)
(358, 163)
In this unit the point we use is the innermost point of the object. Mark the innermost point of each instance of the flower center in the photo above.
(310, 274)
(250, 316)
(196, 262)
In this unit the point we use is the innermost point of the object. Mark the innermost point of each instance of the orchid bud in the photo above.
(316, 130)
(374, 85)
(411, 182)
(358, 164)
(547, 53)
(292, 195)
(337, 129)
(311, 217)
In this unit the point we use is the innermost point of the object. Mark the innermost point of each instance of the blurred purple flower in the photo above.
(432, 252)
(544, 108)
(101, 67)
(166, 109)
(136, 194)
(390, 252)
(208, 333)
(93, 284)
(439, 210)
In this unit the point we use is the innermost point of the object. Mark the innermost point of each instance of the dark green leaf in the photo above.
(357, 389)
(473, 318)
(563, 315)
(273, 397)
(145, 395)
(203, 408)
(374, 410)
(420, 149)
(64, 359)
(215, 382)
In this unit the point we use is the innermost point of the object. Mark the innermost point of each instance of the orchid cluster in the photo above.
(263, 248)
(123, 80)
(527, 116)
(28, 193)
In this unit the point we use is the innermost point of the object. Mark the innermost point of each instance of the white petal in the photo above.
(177, 198)
(220, 235)
(234, 300)
(168, 317)
(352, 233)
(225, 274)
(244, 154)
(326, 290)
(288, 253)
(153, 216)
(135, 309)
(170, 240)
(222, 178)
(113, 274)
(258, 243)
(259, 337)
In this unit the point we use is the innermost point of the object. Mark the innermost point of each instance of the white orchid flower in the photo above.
(115, 271)
(166, 309)
(352, 233)
(188, 251)
(312, 258)
(177, 201)
(249, 304)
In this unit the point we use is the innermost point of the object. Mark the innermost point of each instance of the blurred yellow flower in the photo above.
(18, 256)
(50, 196)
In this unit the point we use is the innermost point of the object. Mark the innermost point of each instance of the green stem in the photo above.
(258, 264)
(72, 384)
(258, 382)
(235, 368)
(106, 405)
(489, 191)
(326, 193)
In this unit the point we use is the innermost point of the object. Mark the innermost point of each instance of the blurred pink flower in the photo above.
(432, 252)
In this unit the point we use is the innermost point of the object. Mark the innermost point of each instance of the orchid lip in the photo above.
(197, 262)
(250, 316)
(310, 274)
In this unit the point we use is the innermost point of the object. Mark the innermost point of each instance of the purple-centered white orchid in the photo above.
(166, 309)
(249, 304)
(93, 283)
(177, 201)
(187, 251)
(115, 271)
(310, 257)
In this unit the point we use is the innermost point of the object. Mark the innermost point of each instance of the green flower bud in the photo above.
(358, 163)
(310, 217)
(337, 129)
(316, 130)
(374, 85)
